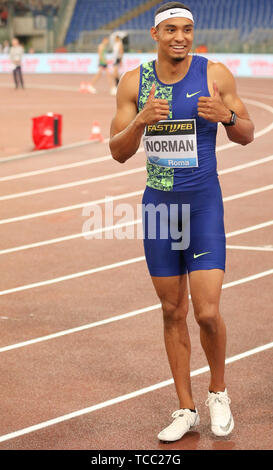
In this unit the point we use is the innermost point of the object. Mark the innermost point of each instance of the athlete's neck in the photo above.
(171, 71)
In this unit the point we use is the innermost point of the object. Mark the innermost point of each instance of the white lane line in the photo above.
(38, 153)
(116, 175)
(67, 166)
(81, 182)
(127, 396)
(43, 87)
(55, 168)
(77, 329)
(86, 142)
(260, 161)
(73, 184)
(70, 208)
(257, 95)
(109, 228)
(264, 106)
(105, 229)
(71, 237)
(248, 193)
(119, 317)
(249, 229)
(76, 89)
(73, 276)
(260, 133)
(109, 157)
(248, 278)
(119, 226)
(250, 248)
(85, 204)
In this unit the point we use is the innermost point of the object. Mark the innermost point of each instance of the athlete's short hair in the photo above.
(170, 5)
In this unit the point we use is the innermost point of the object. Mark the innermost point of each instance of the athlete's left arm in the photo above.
(217, 107)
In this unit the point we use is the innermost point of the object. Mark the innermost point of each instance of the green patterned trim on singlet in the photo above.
(158, 177)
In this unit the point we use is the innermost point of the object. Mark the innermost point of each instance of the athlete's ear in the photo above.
(154, 33)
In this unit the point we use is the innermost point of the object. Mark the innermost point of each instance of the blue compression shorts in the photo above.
(197, 217)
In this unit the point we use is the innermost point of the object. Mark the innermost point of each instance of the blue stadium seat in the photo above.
(244, 15)
(90, 15)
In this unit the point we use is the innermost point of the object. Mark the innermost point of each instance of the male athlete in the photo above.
(102, 65)
(192, 94)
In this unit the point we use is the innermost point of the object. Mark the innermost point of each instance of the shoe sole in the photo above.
(197, 422)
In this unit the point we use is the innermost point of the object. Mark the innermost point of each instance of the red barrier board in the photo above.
(47, 131)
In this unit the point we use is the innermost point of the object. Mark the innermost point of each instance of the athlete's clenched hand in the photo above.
(155, 109)
(212, 108)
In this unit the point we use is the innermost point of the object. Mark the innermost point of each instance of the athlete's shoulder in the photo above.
(129, 84)
(130, 79)
(219, 70)
(130, 75)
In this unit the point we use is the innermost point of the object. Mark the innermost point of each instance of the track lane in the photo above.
(45, 303)
(86, 302)
(92, 409)
(58, 258)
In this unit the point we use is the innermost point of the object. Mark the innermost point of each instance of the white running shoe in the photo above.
(91, 89)
(184, 420)
(222, 422)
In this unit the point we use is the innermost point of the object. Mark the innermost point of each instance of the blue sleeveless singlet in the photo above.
(182, 97)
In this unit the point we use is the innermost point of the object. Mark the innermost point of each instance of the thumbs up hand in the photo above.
(152, 93)
(212, 108)
(155, 109)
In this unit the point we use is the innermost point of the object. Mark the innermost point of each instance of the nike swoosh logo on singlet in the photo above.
(189, 96)
(201, 254)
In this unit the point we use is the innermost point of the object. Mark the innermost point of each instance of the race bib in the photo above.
(172, 143)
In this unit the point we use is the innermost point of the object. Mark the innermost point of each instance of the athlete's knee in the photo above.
(207, 316)
(173, 313)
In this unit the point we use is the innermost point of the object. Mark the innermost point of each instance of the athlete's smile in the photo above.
(177, 48)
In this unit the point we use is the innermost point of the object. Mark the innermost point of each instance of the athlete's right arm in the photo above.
(128, 125)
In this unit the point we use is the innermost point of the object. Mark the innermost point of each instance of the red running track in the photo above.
(83, 364)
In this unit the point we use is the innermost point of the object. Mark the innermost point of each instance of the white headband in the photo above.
(173, 13)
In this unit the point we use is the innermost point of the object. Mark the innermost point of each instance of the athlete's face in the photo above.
(174, 37)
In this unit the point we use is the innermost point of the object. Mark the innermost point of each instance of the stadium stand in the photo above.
(218, 23)
(93, 15)
(244, 15)
(79, 25)
(36, 7)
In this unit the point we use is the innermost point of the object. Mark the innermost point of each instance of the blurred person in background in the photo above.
(5, 47)
(102, 66)
(16, 54)
(4, 16)
(118, 52)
